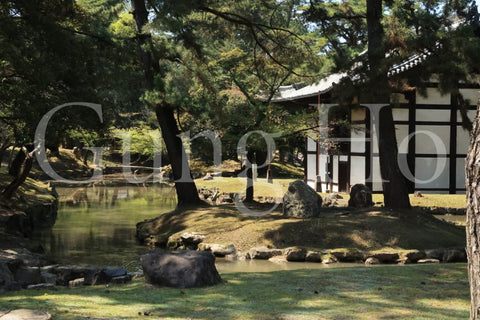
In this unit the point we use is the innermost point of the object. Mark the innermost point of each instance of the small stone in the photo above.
(41, 286)
(428, 261)
(264, 253)
(360, 196)
(295, 254)
(313, 256)
(76, 282)
(372, 261)
(21, 314)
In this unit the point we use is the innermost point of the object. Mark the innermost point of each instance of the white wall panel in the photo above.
(432, 115)
(470, 94)
(357, 170)
(432, 173)
(433, 97)
(460, 174)
(377, 177)
(335, 169)
(400, 114)
(311, 167)
(401, 132)
(470, 114)
(463, 140)
(357, 132)
(311, 144)
(425, 144)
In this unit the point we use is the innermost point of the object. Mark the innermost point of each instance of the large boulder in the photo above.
(264, 253)
(360, 196)
(301, 201)
(180, 269)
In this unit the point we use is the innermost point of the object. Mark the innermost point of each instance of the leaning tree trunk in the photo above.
(395, 190)
(472, 180)
(186, 190)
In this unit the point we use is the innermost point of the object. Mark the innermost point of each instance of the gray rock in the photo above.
(191, 238)
(428, 261)
(313, 256)
(224, 198)
(295, 254)
(301, 201)
(385, 257)
(76, 282)
(28, 275)
(264, 253)
(347, 256)
(48, 277)
(372, 261)
(414, 255)
(331, 200)
(360, 197)
(434, 254)
(222, 250)
(455, 255)
(121, 279)
(24, 314)
(180, 269)
(41, 286)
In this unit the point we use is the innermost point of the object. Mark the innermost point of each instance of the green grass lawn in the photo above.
(380, 292)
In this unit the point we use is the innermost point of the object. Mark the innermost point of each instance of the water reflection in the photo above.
(96, 225)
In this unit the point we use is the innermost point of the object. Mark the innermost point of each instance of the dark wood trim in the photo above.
(412, 97)
(368, 150)
(453, 143)
(433, 155)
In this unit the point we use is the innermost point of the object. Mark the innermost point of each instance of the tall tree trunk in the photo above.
(186, 190)
(395, 190)
(472, 180)
(22, 174)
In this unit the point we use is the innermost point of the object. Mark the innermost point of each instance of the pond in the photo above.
(96, 225)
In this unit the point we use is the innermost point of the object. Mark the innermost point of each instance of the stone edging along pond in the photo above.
(194, 241)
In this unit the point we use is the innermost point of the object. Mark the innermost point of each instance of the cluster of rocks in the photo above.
(194, 241)
(214, 196)
(444, 211)
(20, 268)
(301, 201)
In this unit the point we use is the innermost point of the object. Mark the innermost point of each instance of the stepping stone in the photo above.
(25, 314)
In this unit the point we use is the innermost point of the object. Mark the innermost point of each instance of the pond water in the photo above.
(97, 225)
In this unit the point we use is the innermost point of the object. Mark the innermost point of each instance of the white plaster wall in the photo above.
(433, 97)
(470, 114)
(463, 140)
(311, 167)
(460, 174)
(470, 94)
(377, 177)
(424, 144)
(357, 170)
(335, 169)
(425, 169)
(357, 132)
(400, 114)
(432, 115)
(401, 132)
(311, 144)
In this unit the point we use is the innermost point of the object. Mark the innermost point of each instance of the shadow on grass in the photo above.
(383, 292)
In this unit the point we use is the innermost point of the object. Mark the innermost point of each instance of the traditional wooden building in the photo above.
(431, 140)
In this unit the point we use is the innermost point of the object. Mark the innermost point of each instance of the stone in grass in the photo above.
(23, 314)
(360, 196)
(421, 261)
(264, 253)
(295, 254)
(371, 261)
(301, 201)
(180, 269)
(313, 256)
